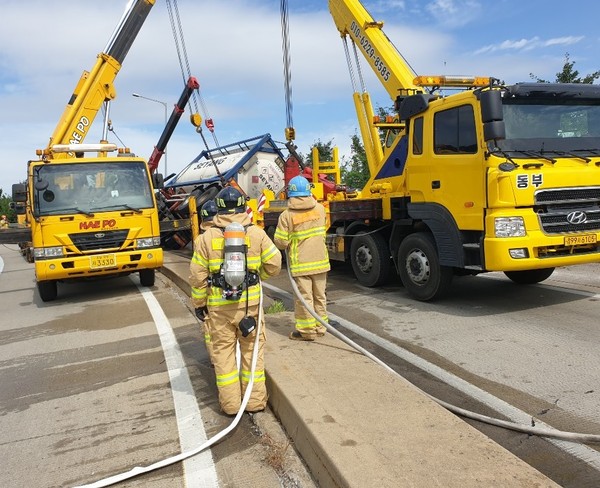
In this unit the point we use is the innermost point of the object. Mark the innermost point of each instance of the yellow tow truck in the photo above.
(472, 175)
(91, 215)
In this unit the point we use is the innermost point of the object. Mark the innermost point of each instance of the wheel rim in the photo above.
(364, 259)
(417, 267)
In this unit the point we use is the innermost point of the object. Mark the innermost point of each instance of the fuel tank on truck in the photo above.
(255, 164)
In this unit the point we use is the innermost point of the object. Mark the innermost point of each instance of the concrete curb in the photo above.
(357, 425)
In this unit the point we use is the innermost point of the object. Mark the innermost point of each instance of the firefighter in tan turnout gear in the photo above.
(230, 260)
(207, 214)
(301, 230)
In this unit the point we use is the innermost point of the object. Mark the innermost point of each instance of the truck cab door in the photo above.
(449, 170)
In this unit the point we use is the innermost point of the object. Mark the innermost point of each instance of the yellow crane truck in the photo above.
(472, 175)
(91, 215)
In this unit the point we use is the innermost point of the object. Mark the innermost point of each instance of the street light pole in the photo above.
(164, 104)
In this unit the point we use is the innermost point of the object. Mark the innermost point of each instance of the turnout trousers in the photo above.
(232, 380)
(312, 288)
(206, 329)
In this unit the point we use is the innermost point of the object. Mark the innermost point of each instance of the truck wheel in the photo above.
(370, 258)
(530, 276)
(420, 269)
(202, 196)
(47, 290)
(147, 277)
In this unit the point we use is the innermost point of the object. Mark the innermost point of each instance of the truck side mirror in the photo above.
(491, 115)
(414, 105)
(19, 192)
(158, 181)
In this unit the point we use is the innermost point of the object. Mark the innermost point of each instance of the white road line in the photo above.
(200, 471)
(580, 451)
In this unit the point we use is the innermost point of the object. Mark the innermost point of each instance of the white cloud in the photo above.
(234, 49)
(454, 13)
(529, 44)
(563, 41)
(384, 6)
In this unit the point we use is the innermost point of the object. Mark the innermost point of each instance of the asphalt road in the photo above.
(87, 393)
(112, 376)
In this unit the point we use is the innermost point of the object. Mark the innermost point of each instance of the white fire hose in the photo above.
(138, 470)
(543, 432)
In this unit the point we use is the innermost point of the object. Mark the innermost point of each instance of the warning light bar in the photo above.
(65, 148)
(378, 119)
(458, 81)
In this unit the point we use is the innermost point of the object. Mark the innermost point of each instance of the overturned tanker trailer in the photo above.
(253, 165)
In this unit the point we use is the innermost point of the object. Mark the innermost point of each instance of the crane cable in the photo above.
(178, 37)
(290, 133)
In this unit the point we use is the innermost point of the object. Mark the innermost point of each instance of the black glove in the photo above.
(201, 313)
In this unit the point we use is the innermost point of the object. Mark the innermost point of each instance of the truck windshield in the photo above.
(556, 125)
(91, 187)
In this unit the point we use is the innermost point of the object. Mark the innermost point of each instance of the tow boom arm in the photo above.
(96, 86)
(191, 85)
(394, 72)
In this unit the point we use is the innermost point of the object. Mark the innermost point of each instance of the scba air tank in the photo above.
(234, 258)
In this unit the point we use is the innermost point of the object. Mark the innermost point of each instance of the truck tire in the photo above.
(202, 196)
(370, 258)
(147, 277)
(419, 267)
(48, 290)
(530, 276)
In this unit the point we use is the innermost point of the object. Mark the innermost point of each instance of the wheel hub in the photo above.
(417, 266)
(364, 259)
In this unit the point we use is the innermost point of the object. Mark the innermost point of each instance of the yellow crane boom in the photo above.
(97, 86)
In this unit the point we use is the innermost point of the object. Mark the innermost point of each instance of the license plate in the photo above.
(103, 261)
(580, 240)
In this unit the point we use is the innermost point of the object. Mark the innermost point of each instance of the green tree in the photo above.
(5, 206)
(355, 171)
(569, 74)
(325, 150)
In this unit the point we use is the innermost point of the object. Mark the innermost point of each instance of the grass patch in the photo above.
(276, 307)
(276, 452)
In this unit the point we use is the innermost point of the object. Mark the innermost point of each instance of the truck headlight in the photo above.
(509, 227)
(48, 252)
(148, 242)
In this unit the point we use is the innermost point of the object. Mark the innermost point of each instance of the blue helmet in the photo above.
(230, 200)
(208, 211)
(298, 187)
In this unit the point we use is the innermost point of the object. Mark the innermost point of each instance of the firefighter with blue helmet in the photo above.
(301, 230)
(233, 306)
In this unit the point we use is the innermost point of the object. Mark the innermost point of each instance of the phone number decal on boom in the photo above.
(370, 52)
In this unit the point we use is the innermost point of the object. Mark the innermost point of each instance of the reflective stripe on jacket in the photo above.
(301, 230)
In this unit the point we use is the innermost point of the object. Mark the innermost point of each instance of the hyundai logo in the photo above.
(100, 235)
(577, 217)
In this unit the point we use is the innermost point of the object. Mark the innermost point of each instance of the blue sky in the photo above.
(234, 49)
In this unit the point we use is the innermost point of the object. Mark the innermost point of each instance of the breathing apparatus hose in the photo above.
(138, 470)
(543, 432)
